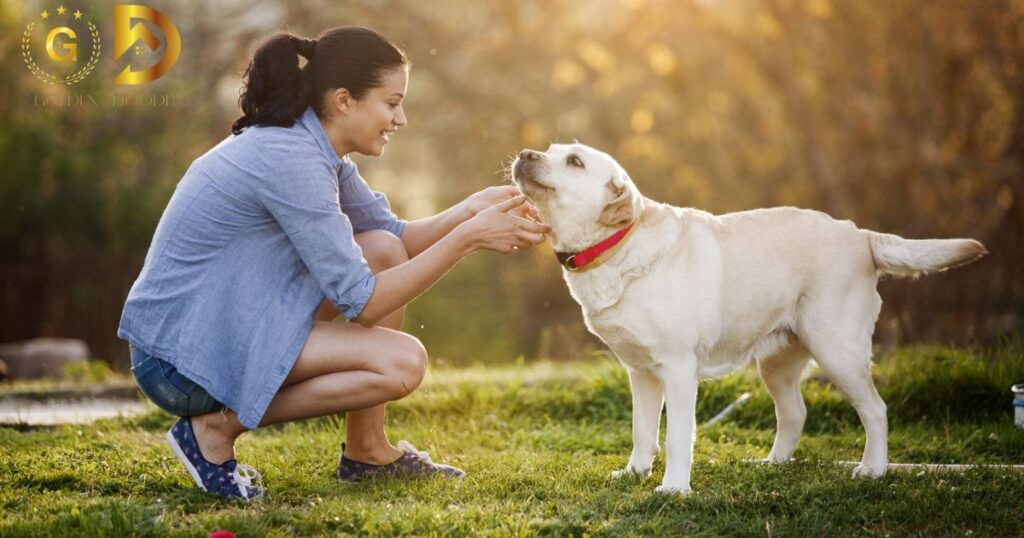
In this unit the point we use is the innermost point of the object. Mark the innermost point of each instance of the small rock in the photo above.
(42, 357)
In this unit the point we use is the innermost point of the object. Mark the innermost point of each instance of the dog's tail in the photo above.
(912, 258)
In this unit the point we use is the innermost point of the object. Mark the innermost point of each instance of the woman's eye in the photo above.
(575, 161)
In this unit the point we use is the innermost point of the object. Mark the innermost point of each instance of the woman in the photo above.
(273, 233)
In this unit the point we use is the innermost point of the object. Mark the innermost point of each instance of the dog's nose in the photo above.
(529, 155)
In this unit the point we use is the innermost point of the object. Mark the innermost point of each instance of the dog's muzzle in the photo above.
(526, 168)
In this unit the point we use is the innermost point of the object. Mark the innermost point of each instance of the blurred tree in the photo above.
(903, 115)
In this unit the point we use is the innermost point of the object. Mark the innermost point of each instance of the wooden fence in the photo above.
(77, 295)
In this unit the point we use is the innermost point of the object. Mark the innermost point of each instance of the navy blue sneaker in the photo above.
(229, 480)
(413, 463)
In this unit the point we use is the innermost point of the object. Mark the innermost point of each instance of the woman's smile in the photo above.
(381, 107)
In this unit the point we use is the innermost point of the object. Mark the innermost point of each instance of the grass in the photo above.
(539, 442)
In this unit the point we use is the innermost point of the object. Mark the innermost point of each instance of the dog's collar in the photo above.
(597, 254)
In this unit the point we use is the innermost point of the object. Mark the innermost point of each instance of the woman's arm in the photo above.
(496, 228)
(420, 234)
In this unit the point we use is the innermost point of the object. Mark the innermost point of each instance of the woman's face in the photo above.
(378, 114)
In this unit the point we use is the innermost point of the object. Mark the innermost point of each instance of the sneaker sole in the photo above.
(184, 460)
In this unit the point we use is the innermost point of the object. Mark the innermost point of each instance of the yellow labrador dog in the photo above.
(681, 295)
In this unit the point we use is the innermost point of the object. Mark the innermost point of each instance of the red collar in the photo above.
(603, 250)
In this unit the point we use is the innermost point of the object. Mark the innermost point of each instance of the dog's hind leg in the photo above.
(781, 375)
(852, 375)
(840, 341)
(648, 400)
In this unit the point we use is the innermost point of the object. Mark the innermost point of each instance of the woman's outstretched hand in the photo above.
(499, 226)
(502, 227)
(492, 196)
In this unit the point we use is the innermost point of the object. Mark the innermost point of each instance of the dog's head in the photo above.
(582, 193)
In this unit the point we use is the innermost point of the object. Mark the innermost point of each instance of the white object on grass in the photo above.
(1018, 405)
(728, 409)
(942, 467)
(50, 412)
(956, 467)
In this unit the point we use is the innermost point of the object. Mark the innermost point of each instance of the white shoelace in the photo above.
(423, 456)
(245, 476)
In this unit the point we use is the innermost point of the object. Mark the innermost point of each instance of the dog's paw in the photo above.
(776, 458)
(863, 471)
(630, 471)
(672, 490)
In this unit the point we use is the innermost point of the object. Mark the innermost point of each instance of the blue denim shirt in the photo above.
(259, 230)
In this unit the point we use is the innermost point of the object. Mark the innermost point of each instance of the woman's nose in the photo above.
(400, 119)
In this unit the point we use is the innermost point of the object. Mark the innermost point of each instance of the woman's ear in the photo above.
(341, 101)
(619, 211)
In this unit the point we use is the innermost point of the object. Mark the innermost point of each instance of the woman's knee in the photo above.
(382, 249)
(406, 367)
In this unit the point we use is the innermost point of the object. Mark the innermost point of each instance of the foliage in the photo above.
(90, 372)
(903, 115)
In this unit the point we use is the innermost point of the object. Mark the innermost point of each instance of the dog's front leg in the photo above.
(648, 399)
(679, 377)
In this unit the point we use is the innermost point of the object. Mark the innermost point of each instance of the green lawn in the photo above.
(539, 442)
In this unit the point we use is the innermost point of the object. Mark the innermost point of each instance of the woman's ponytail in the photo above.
(275, 90)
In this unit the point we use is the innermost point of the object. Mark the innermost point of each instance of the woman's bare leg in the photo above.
(365, 433)
(343, 367)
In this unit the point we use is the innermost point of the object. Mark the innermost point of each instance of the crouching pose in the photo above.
(269, 237)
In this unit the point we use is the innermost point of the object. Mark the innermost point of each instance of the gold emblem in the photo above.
(62, 47)
(69, 46)
(126, 34)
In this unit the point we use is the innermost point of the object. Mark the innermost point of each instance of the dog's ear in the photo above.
(618, 212)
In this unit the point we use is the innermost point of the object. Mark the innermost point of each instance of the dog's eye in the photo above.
(575, 161)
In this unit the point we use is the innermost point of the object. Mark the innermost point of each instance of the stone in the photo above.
(42, 357)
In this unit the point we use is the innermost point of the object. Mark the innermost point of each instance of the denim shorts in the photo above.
(168, 388)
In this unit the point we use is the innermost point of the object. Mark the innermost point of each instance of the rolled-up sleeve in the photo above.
(367, 209)
(304, 201)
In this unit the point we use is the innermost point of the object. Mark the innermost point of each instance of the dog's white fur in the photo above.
(691, 295)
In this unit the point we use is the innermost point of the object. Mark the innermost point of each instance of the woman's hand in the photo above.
(496, 228)
(501, 227)
(492, 196)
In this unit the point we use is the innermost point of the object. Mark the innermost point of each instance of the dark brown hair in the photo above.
(275, 90)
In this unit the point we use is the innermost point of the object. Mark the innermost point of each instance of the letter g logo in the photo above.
(69, 46)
